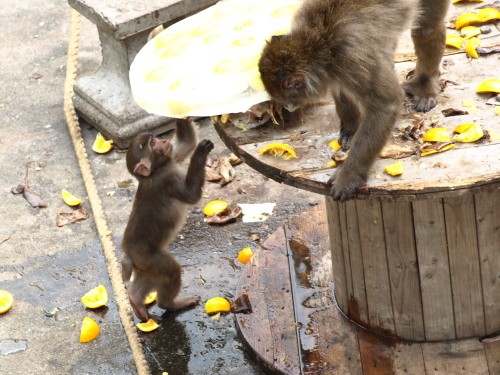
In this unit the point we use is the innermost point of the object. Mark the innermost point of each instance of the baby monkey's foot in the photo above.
(424, 92)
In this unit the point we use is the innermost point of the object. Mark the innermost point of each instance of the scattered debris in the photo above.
(279, 150)
(244, 255)
(125, 184)
(429, 149)
(65, 218)
(6, 238)
(53, 313)
(395, 169)
(257, 212)
(396, 152)
(33, 199)
(241, 305)
(448, 112)
(12, 346)
(229, 215)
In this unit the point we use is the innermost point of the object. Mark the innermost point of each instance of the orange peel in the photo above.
(470, 31)
(489, 85)
(6, 301)
(150, 298)
(468, 133)
(69, 198)
(454, 40)
(470, 47)
(279, 149)
(335, 145)
(217, 305)
(148, 326)
(466, 19)
(441, 149)
(395, 169)
(95, 298)
(214, 207)
(470, 1)
(436, 135)
(244, 255)
(102, 146)
(89, 330)
(488, 14)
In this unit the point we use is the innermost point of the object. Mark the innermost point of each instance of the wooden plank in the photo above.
(371, 232)
(346, 254)
(271, 329)
(358, 303)
(339, 277)
(328, 342)
(492, 350)
(463, 255)
(461, 357)
(408, 359)
(376, 353)
(488, 219)
(403, 273)
(430, 239)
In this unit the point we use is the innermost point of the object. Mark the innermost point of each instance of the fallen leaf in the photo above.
(396, 152)
(241, 305)
(65, 218)
(226, 170)
(448, 112)
(228, 216)
(33, 199)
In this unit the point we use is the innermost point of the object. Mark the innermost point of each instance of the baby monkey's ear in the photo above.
(294, 81)
(143, 168)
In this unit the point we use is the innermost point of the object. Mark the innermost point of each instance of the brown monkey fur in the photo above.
(161, 203)
(346, 48)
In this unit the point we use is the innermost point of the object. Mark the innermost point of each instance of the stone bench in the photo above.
(104, 98)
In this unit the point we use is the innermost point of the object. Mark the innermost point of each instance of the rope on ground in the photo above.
(95, 201)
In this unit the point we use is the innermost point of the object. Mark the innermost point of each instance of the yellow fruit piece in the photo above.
(488, 14)
(245, 254)
(6, 301)
(214, 207)
(335, 145)
(279, 149)
(470, 31)
(150, 298)
(89, 331)
(95, 298)
(445, 148)
(489, 85)
(467, 19)
(331, 164)
(453, 40)
(69, 198)
(468, 133)
(148, 326)
(470, 47)
(395, 169)
(101, 146)
(437, 135)
(217, 305)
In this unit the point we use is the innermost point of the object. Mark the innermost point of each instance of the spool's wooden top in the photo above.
(467, 165)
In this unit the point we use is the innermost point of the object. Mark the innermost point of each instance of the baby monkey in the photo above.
(346, 48)
(165, 192)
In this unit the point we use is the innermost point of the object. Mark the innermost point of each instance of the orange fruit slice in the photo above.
(217, 305)
(279, 149)
(214, 207)
(468, 133)
(466, 19)
(489, 85)
(150, 298)
(395, 169)
(89, 331)
(148, 326)
(6, 301)
(95, 298)
(453, 40)
(69, 198)
(470, 47)
(245, 254)
(101, 146)
(335, 145)
(436, 135)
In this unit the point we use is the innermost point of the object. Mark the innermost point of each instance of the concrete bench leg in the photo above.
(105, 100)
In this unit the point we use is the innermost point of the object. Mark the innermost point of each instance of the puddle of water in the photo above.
(11, 346)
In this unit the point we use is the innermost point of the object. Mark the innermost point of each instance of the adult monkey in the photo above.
(346, 48)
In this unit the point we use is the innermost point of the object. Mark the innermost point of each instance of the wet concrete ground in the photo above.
(49, 268)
